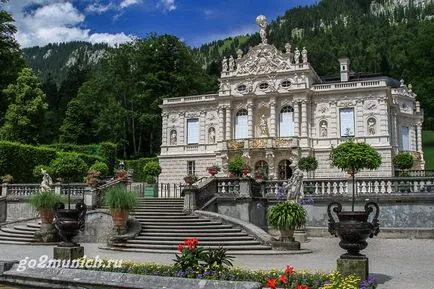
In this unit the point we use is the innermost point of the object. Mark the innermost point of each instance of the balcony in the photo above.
(262, 143)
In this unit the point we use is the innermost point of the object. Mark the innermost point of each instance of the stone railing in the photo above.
(349, 85)
(417, 173)
(258, 143)
(23, 191)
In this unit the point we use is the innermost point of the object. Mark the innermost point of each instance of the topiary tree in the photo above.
(308, 164)
(403, 161)
(69, 166)
(353, 157)
(152, 168)
(100, 167)
(236, 165)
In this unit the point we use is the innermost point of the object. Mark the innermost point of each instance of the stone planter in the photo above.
(286, 233)
(47, 216)
(120, 218)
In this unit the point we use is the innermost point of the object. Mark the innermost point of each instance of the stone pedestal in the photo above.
(300, 236)
(68, 253)
(286, 244)
(47, 234)
(358, 267)
(189, 194)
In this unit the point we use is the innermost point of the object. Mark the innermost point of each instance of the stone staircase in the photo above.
(19, 233)
(165, 226)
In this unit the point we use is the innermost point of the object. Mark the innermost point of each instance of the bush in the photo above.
(37, 171)
(286, 215)
(7, 179)
(150, 180)
(138, 165)
(69, 166)
(118, 198)
(100, 167)
(308, 164)
(403, 161)
(236, 165)
(44, 200)
(152, 168)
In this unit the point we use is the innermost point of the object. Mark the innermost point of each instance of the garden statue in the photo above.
(297, 56)
(47, 182)
(293, 187)
(231, 63)
(304, 55)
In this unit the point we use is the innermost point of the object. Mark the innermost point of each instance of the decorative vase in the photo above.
(286, 233)
(353, 227)
(47, 216)
(212, 171)
(69, 222)
(120, 218)
(188, 180)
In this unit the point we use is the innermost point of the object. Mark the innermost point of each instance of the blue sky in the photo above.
(115, 21)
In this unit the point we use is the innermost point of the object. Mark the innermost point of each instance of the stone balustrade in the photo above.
(23, 191)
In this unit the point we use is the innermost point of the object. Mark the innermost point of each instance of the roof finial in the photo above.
(262, 23)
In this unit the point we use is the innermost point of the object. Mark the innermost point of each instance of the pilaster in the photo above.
(228, 122)
(304, 118)
(202, 128)
(296, 119)
(249, 118)
(334, 127)
(419, 137)
(181, 129)
(273, 117)
(221, 128)
(359, 116)
(165, 117)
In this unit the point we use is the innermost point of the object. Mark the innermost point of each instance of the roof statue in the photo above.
(262, 23)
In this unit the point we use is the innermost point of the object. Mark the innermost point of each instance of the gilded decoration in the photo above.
(233, 145)
(282, 143)
(257, 143)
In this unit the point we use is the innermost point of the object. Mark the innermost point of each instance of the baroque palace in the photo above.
(272, 108)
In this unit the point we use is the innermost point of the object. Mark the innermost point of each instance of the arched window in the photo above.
(241, 124)
(285, 171)
(286, 121)
(261, 167)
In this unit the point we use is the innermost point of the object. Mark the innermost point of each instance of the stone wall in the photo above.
(17, 210)
(99, 225)
(3, 209)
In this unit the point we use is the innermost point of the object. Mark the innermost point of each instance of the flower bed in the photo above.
(214, 264)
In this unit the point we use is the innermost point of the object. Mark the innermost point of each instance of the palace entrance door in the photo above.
(285, 171)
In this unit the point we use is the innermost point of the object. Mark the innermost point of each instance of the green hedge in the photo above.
(106, 150)
(19, 160)
(138, 166)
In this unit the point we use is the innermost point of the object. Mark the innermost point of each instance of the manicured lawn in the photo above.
(428, 149)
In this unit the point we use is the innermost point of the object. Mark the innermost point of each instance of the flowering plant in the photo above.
(190, 179)
(215, 167)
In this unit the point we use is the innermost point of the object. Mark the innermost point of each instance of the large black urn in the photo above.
(69, 222)
(353, 227)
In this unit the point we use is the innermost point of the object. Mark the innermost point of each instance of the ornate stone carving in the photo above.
(193, 114)
(173, 138)
(257, 143)
(304, 55)
(371, 126)
(225, 64)
(263, 126)
(371, 105)
(323, 108)
(173, 118)
(239, 54)
(262, 23)
(233, 145)
(297, 56)
(231, 63)
(211, 135)
(282, 143)
(323, 128)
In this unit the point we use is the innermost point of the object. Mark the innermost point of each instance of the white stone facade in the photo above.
(272, 108)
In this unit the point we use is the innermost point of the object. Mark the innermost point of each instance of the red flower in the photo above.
(271, 283)
(282, 278)
(302, 287)
(195, 241)
(180, 247)
(289, 270)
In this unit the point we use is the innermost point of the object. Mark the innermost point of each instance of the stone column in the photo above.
(333, 126)
(304, 118)
(181, 129)
(221, 128)
(419, 137)
(250, 119)
(165, 117)
(296, 119)
(359, 121)
(202, 128)
(228, 123)
(273, 117)
(395, 121)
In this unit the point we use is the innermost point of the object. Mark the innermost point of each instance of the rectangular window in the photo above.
(347, 121)
(286, 124)
(241, 127)
(191, 167)
(193, 131)
(405, 139)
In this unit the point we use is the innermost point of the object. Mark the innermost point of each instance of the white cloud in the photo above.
(168, 5)
(126, 3)
(242, 30)
(55, 21)
(99, 8)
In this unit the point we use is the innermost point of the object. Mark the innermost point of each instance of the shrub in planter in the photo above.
(403, 161)
(308, 164)
(100, 167)
(7, 179)
(120, 202)
(44, 203)
(286, 216)
(236, 165)
(69, 166)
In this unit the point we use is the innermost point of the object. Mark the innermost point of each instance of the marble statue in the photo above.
(293, 187)
(173, 138)
(262, 23)
(297, 55)
(231, 63)
(239, 54)
(263, 125)
(225, 64)
(323, 126)
(288, 47)
(47, 182)
(211, 135)
(371, 126)
(304, 55)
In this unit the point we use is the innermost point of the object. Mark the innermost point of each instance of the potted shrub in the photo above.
(7, 179)
(236, 165)
(190, 179)
(120, 202)
(286, 216)
(308, 164)
(44, 203)
(352, 226)
(403, 161)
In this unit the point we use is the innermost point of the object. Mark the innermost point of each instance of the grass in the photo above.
(428, 149)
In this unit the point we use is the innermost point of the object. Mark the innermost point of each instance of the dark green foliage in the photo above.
(152, 168)
(308, 164)
(19, 160)
(69, 166)
(353, 157)
(286, 215)
(37, 171)
(236, 165)
(217, 259)
(45, 200)
(403, 161)
(100, 167)
(137, 166)
(118, 198)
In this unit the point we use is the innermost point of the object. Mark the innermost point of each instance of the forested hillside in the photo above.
(95, 94)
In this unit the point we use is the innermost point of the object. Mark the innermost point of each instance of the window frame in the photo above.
(189, 132)
(343, 134)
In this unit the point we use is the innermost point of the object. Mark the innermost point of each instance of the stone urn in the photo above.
(353, 227)
(69, 222)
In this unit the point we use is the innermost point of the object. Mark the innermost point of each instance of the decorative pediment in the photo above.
(263, 59)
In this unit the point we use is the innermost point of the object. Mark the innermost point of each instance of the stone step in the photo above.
(11, 237)
(202, 243)
(13, 242)
(191, 230)
(235, 237)
(154, 209)
(25, 228)
(189, 235)
(18, 232)
(34, 225)
(163, 214)
(175, 247)
(168, 219)
(192, 225)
